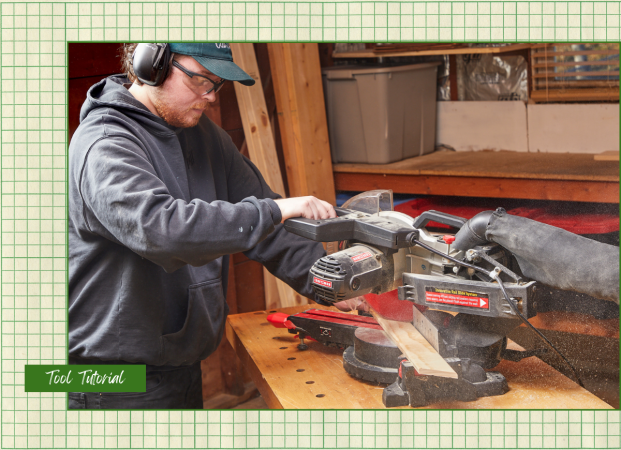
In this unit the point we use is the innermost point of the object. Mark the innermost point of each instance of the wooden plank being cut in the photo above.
(425, 359)
(298, 88)
(262, 151)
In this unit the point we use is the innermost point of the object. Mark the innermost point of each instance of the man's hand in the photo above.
(307, 207)
(353, 304)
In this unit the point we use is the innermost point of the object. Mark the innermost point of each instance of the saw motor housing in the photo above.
(357, 270)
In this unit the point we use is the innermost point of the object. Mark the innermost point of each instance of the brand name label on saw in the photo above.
(321, 282)
(456, 297)
(361, 256)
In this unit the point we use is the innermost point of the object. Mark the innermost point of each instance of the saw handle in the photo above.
(440, 217)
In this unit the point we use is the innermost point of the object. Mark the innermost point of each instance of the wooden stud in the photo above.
(298, 87)
(255, 119)
(261, 147)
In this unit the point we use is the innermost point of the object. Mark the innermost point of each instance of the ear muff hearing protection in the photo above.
(151, 63)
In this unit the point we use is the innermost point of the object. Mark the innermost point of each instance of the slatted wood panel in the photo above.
(575, 72)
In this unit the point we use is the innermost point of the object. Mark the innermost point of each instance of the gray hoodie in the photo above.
(153, 212)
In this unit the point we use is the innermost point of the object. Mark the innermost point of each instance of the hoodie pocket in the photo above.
(203, 328)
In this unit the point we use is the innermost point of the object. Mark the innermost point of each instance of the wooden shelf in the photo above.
(504, 174)
(369, 53)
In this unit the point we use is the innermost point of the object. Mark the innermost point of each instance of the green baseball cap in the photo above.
(217, 58)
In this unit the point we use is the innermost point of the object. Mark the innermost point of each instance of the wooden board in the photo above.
(425, 359)
(610, 155)
(283, 374)
(262, 151)
(298, 88)
(255, 119)
(577, 191)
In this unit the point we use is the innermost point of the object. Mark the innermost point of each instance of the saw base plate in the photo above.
(373, 357)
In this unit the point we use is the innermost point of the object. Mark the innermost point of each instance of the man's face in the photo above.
(176, 102)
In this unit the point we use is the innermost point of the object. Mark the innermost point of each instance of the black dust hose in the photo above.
(547, 254)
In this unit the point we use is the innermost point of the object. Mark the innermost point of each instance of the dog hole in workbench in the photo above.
(282, 348)
(272, 311)
(290, 359)
(320, 395)
(310, 382)
(300, 370)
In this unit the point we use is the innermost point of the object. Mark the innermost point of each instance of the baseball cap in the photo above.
(217, 58)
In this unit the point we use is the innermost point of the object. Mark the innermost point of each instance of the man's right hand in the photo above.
(308, 207)
(353, 304)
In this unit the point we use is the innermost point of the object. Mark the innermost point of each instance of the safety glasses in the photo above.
(200, 82)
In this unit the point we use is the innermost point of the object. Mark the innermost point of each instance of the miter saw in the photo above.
(464, 293)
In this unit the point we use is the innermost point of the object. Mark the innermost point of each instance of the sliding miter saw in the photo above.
(464, 299)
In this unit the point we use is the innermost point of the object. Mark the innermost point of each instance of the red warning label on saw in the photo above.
(321, 282)
(361, 256)
(456, 297)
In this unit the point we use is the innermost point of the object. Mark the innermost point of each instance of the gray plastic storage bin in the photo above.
(380, 115)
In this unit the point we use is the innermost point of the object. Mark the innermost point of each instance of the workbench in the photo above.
(315, 379)
(537, 176)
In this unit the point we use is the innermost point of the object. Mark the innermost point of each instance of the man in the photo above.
(159, 196)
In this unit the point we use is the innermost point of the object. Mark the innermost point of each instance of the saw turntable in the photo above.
(463, 292)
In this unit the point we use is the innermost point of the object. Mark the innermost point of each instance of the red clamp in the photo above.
(280, 320)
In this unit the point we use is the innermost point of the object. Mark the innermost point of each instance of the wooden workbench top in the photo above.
(315, 379)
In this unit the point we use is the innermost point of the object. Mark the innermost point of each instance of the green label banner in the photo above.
(85, 378)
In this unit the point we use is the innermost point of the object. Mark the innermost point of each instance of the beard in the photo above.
(177, 117)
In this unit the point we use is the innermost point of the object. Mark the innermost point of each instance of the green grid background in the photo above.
(33, 223)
